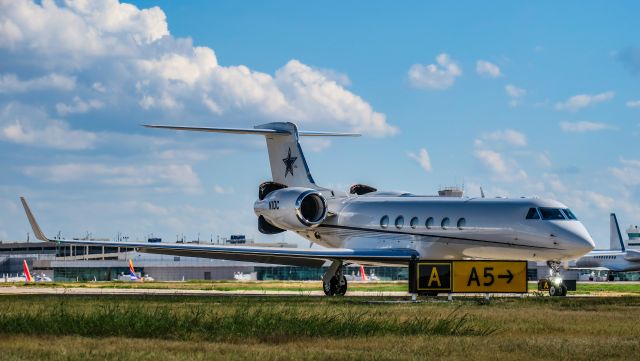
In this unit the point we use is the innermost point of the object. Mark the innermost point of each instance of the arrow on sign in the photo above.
(509, 275)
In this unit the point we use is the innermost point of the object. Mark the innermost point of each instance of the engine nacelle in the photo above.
(292, 208)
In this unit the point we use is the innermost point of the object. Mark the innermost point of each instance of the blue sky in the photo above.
(535, 99)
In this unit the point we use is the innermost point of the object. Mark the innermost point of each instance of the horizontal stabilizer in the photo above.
(258, 131)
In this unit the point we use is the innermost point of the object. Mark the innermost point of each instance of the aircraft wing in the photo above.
(310, 257)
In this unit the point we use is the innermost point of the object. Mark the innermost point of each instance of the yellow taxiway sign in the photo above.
(471, 276)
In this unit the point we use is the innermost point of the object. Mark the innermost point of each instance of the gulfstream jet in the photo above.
(371, 227)
(617, 258)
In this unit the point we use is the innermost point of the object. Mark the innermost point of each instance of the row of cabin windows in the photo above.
(604, 257)
(414, 222)
(548, 214)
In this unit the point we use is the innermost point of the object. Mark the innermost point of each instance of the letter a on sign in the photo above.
(434, 278)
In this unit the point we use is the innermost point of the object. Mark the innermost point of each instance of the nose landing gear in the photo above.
(334, 283)
(556, 286)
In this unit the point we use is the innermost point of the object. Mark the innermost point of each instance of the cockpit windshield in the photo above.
(569, 214)
(549, 214)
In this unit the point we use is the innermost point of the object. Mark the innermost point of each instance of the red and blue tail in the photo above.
(132, 272)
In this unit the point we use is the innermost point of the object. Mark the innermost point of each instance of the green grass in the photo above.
(260, 321)
(316, 328)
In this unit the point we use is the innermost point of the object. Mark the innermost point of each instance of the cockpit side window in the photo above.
(551, 213)
(533, 214)
(569, 214)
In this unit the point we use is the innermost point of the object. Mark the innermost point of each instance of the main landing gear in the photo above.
(334, 282)
(556, 286)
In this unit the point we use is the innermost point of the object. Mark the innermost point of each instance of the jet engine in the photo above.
(292, 208)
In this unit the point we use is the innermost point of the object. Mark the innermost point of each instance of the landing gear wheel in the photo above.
(335, 287)
(560, 290)
(342, 287)
(563, 290)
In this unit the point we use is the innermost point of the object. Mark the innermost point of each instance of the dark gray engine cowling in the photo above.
(292, 208)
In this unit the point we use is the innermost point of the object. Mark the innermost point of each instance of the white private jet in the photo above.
(369, 227)
(617, 258)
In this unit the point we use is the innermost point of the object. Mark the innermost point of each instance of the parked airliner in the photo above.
(370, 227)
(617, 258)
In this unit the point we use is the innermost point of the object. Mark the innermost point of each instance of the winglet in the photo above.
(32, 220)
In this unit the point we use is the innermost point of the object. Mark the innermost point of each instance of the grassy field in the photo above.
(299, 286)
(316, 328)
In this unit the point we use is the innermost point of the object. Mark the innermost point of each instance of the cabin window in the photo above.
(533, 214)
(414, 222)
(429, 223)
(399, 222)
(569, 214)
(384, 221)
(551, 213)
(445, 223)
(461, 223)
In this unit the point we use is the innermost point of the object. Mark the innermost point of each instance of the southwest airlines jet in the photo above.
(132, 272)
(371, 227)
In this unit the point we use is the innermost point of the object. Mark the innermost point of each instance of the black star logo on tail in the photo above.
(288, 162)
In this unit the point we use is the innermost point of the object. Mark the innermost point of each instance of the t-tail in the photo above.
(132, 272)
(27, 274)
(288, 164)
(615, 237)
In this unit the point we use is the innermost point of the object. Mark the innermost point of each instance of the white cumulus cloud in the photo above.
(78, 106)
(115, 53)
(422, 158)
(515, 94)
(580, 101)
(10, 83)
(487, 69)
(583, 126)
(180, 176)
(437, 76)
(508, 136)
(633, 104)
(27, 126)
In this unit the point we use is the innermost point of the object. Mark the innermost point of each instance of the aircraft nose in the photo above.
(579, 239)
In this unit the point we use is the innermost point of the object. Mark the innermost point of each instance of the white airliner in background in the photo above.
(369, 227)
(617, 258)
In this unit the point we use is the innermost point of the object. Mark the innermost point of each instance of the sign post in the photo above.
(431, 277)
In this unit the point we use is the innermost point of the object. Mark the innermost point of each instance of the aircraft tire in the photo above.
(329, 288)
(342, 288)
(334, 288)
(563, 290)
(553, 291)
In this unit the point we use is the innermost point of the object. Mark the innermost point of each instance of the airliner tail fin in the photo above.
(615, 237)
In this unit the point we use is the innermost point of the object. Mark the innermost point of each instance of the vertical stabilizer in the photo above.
(27, 273)
(615, 237)
(288, 165)
(132, 271)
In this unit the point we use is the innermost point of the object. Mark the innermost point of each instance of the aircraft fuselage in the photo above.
(451, 228)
